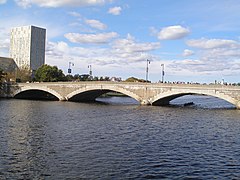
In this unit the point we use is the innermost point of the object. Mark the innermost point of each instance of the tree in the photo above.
(76, 77)
(1, 76)
(84, 77)
(69, 77)
(107, 78)
(23, 74)
(2, 79)
(133, 79)
(47, 73)
(95, 78)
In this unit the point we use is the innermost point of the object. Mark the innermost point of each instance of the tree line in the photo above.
(46, 73)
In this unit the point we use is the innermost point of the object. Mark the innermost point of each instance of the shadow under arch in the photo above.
(165, 98)
(37, 94)
(90, 95)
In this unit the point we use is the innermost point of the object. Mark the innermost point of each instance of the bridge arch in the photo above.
(90, 94)
(43, 89)
(165, 98)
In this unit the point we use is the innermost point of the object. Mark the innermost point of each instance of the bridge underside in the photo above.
(36, 95)
(88, 96)
(166, 100)
(91, 95)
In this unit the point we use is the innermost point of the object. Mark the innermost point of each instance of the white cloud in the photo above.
(188, 52)
(173, 32)
(4, 42)
(60, 53)
(213, 43)
(60, 3)
(124, 59)
(217, 56)
(115, 10)
(128, 54)
(91, 38)
(4, 47)
(62, 49)
(223, 53)
(3, 1)
(202, 66)
(120, 52)
(153, 31)
(75, 14)
(95, 24)
(129, 45)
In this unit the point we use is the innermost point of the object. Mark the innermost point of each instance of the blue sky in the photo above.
(197, 41)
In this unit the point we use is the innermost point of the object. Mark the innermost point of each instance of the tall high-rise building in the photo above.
(27, 46)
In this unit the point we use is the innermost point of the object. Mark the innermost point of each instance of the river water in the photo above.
(119, 139)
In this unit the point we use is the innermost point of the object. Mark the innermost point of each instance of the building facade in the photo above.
(27, 46)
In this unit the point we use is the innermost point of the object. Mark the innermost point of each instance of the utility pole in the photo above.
(90, 69)
(69, 67)
(163, 73)
(148, 62)
(90, 72)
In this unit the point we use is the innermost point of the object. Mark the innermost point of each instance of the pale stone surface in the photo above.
(145, 93)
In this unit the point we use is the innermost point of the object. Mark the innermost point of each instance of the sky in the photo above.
(197, 41)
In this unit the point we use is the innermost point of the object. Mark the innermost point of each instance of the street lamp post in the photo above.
(90, 69)
(90, 72)
(163, 73)
(69, 67)
(148, 62)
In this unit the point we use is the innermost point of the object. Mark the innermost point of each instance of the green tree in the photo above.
(95, 78)
(84, 77)
(107, 78)
(69, 77)
(23, 74)
(133, 79)
(1, 76)
(76, 77)
(47, 73)
(2, 79)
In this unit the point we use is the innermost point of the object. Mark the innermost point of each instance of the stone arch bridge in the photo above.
(144, 93)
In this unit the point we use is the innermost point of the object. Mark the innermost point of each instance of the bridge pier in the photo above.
(238, 105)
(145, 102)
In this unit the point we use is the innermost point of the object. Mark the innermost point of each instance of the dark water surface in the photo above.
(119, 140)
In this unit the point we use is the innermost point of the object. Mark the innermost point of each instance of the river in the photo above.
(119, 139)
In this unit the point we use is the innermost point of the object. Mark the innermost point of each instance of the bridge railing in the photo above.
(204, 86)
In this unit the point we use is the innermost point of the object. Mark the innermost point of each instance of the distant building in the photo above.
(27, 46)
(8, 65)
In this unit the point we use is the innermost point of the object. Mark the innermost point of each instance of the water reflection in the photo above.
(192, 101)
(200, 101)
(24, 141)
(119, 140)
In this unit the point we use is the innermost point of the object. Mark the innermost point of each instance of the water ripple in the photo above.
(55, 140)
